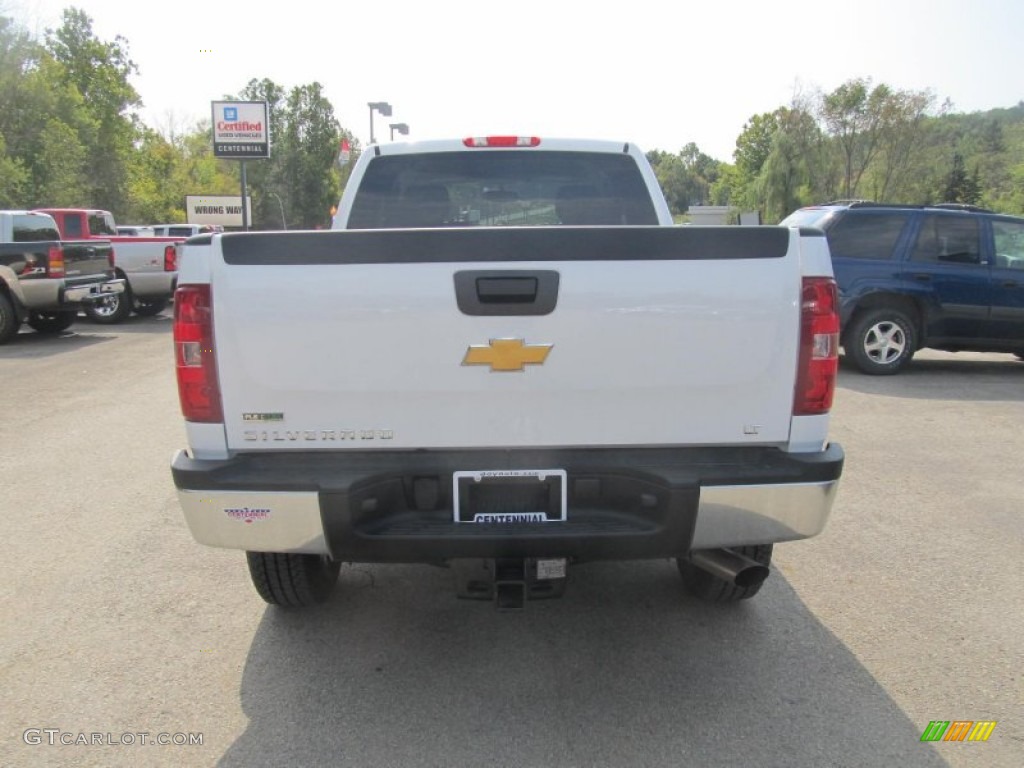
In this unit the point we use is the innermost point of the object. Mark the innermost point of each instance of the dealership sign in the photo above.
(241, 129)
(225, 210)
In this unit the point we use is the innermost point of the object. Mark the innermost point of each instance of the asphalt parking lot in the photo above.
(908, 609)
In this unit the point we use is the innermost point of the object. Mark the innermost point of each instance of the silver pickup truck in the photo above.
(506, 359)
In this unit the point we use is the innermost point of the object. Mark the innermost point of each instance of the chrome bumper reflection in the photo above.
(93, 292)
(733, 515)
(291, 521)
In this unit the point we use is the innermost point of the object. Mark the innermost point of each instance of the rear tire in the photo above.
(111, 309)
(9, 320)
(150, 307)
(712, 589)
(51, 322)
(292, 581)
(881, 341)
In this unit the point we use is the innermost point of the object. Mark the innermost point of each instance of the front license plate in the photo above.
(510, 496)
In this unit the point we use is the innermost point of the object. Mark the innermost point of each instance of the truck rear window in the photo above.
(501, 188)
(35, 229)
(102, 224)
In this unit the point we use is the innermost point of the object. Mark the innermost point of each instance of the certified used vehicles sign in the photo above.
(241, 129)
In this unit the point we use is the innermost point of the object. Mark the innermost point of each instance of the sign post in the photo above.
(245, 212)
(241, 130)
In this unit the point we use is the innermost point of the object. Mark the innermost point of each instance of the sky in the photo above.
(654, 73)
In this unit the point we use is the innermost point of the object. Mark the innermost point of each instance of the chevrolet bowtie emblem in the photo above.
(507, 354)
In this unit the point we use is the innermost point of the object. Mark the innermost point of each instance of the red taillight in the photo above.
(55, 262)
(502, 141)
(819, 347)
(196, 365)
(170, 259)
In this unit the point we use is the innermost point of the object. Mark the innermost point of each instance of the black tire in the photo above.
(114, 308)
(150, 307)
(702, 584)
(51, 322)
(881, 342)
(9, 320)
(292, 581)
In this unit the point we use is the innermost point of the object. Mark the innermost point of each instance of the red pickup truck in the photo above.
(149, 265)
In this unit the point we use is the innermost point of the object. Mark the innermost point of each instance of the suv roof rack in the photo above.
(942, 206)
(962, 207)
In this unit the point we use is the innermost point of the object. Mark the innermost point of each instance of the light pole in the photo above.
(284, 224)
(402, 128)
(381, 106)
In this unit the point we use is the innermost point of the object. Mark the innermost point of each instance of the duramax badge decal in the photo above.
(262, 417)
(507, 354)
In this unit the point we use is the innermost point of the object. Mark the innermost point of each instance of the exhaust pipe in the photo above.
(731, 566)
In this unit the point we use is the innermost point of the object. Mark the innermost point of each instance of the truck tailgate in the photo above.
(86, 261)
(655, 336)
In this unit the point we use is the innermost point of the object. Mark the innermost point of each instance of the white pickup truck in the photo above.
(505, 359)
(147, 264)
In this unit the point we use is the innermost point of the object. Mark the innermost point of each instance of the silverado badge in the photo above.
(507, 354)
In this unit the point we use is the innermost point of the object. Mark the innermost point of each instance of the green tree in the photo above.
(877, 132)
(786, 162)
(961, 188)
(98, 71)
(310, 147)
(900, 138)
(61, 181)
(685, 178)
(852, 115)
(14, 179)
(781, 178)
(18, 54)
(754, 143)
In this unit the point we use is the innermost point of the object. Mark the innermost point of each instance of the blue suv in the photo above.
(947, 277)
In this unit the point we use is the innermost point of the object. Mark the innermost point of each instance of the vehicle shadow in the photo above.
(29, 344)
(624, 670)
(944, 375)
(162, 323)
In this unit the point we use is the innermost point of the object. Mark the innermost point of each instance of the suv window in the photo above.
(1008, 237)
(807, 217)
(866, 235)
(947, 239)
(35, 229)
(488, 188)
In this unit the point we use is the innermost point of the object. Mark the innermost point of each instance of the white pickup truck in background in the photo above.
(506, 359)
(147, 263)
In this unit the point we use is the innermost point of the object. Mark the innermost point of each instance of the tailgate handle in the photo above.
(506, 292)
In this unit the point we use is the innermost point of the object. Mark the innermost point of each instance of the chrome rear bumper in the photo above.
(93, 291)
(623, 504)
